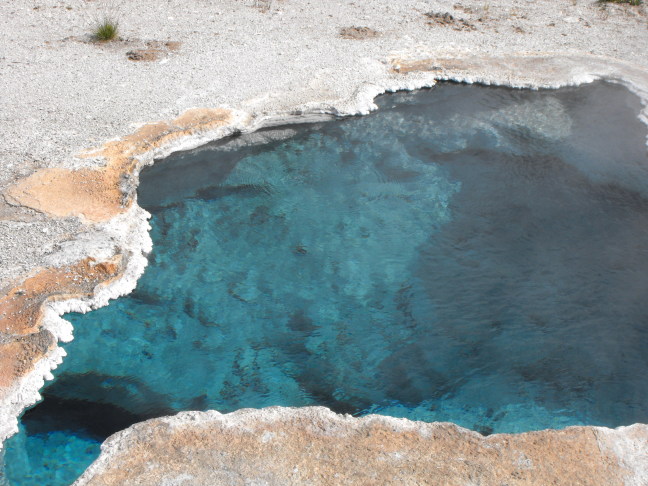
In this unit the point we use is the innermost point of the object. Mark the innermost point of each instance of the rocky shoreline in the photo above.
(72, 234)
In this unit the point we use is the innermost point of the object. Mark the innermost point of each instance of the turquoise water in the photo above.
(469, 254)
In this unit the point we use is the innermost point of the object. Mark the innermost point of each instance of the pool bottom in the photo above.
(466, 254)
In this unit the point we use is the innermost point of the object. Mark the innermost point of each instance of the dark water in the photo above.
(471, 254)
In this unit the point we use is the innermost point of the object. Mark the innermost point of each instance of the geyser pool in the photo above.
(470, 254)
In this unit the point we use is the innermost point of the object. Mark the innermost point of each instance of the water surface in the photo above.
(470, 254)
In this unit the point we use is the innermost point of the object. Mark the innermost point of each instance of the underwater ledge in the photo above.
(116, 226)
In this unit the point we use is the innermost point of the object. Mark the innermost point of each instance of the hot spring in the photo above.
(467, 254)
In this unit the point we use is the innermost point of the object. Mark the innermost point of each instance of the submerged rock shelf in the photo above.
(459, 255)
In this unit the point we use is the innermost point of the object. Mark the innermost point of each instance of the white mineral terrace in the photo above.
(80, 118)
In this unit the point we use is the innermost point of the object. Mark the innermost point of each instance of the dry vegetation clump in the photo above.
(263, 5)
(358, 33)
(153, 50)
(629, 2)
(448, 20)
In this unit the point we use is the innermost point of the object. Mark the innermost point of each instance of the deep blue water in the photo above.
(470, 254)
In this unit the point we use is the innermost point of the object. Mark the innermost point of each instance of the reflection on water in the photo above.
(470, 254)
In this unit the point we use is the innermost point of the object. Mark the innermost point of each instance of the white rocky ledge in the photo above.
(283, 446)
